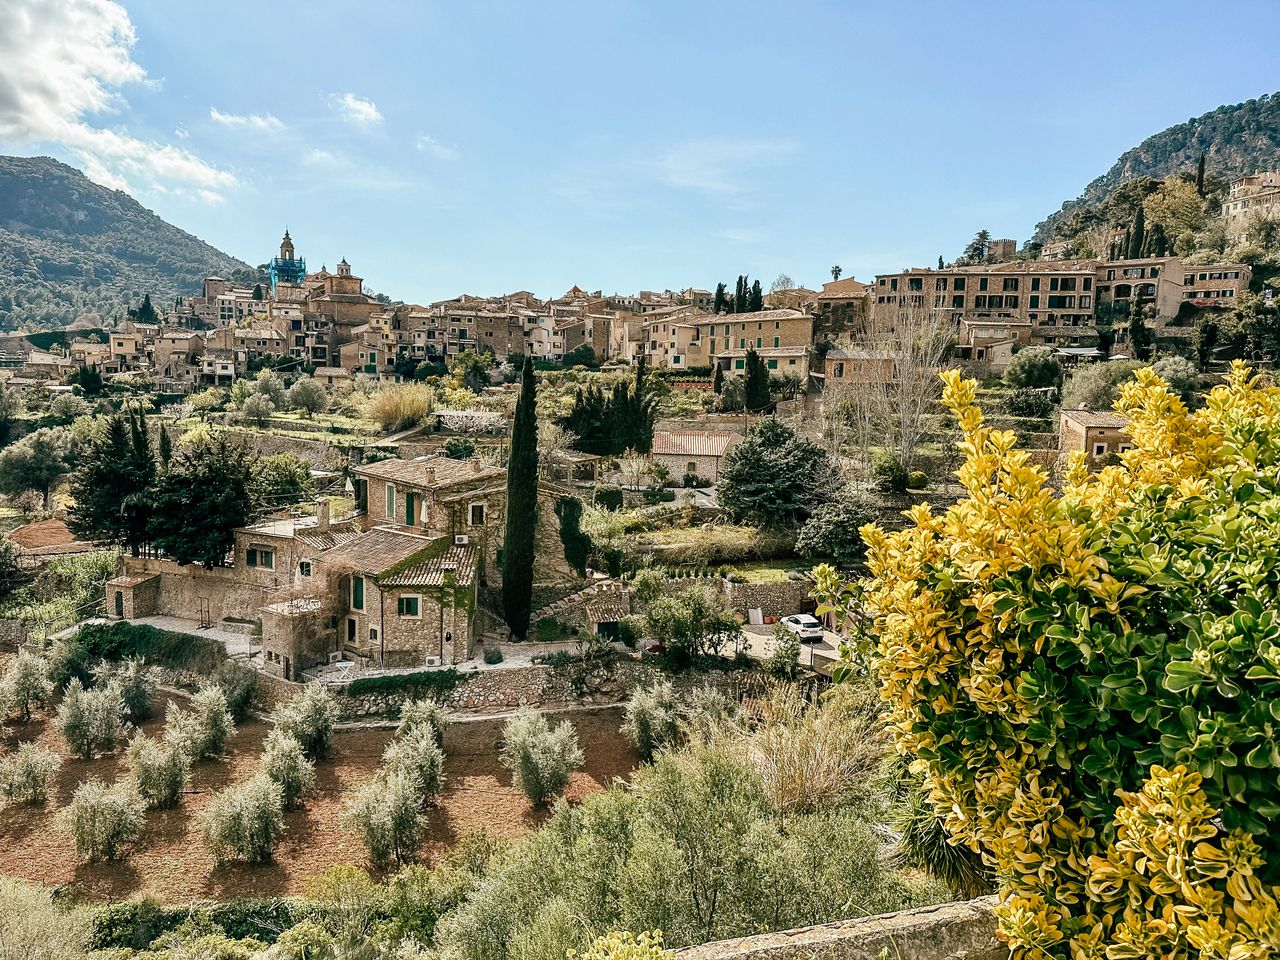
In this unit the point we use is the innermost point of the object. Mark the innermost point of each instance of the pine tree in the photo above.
(257, 292)
(522, 509)
(1139, 236)
(1200, 176)
(756, 386)
(717, 306)
(717, 380)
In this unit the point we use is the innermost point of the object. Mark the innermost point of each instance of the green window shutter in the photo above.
(357, 592)
(251, 557)
(408, 509)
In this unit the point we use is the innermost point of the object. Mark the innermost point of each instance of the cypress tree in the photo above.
(1124, 244)
(755, 390)
(717, 307)
(756, 302)
(1200, 176)
(717, 380)
(940, 264)
(740, 295)
(1139, 238)
(522, 509)
(166, 449)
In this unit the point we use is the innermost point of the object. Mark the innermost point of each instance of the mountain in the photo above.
(72, 249)
(1235, 140)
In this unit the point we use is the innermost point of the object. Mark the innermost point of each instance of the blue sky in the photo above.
(490, 146)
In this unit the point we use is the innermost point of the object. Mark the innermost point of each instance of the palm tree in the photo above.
(836, 271)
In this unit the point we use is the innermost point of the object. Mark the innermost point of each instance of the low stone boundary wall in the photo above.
(949, 931)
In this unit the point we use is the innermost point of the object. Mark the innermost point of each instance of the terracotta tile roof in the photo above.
(376, 550)
(333, 537)
(610, 607)
(1096, 418)
(843, 289)
(433, 471)
(459, 563)
(693, 443)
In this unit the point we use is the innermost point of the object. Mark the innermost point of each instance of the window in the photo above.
(1035, 283)
(777, 341)
(940, 283)
(1099, 449)
(1088, 284)
(1010, 283)
(260, 557)
(477, 514)
(391, 501)
(982, 283)
(691, 467)
(1011, 301)
(958, 301)
(304, 568)
(980, 302)
(773, 364)
(357, 592)
(1035, 301)
(409, 607)
(373, 634)
(915, 283)
(738, 364)
(959, 284)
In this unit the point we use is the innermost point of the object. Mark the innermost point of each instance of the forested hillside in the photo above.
(70, 248)
(1234, 140)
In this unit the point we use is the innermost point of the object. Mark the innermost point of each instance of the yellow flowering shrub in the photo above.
(625, 946)
(1090, 682)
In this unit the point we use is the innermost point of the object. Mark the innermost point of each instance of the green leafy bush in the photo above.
(27, 774)
(428, 683)
(890, 475)
(119, 641)
(286, 763)
(160, 770)
(1033, 404)
(540, 757)
(492, 654)
(102, 820)
(917, 480)
(238, 684)
(26, 683)
(609, 497)
(244, 821)
(136, 682)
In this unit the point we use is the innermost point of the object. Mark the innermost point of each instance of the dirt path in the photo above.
(171, 864)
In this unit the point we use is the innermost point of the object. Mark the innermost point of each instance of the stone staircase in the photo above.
(574, 599)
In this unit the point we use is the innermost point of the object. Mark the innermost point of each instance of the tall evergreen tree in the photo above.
(1138, 238)
(138, 504)
(740, 295)
(146, 312)
(1139, 336)
(717, 380)
(100, 484)
(257, 292)
(755, 389)
(940, 263)
(1200, 176)
(522, 509)
(201, 500)
(756, 301)
(717, 306)
(165, 449)
(1124, 244)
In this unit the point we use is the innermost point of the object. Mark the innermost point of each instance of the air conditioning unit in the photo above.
(335, 656)
(461, 540)
(433, 661)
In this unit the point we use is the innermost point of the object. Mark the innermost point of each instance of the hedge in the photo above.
(135, 924)
(165, 648)
(426, 683)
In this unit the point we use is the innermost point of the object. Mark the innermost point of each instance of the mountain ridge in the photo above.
(73, 249)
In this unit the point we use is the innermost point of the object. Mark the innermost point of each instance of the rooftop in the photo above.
(693, 443)
(1096, 418)
(378, 550)
(429, 471)
(456, 565)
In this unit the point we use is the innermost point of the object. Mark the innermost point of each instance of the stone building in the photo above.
(1095, 433)
(1250, 200)
(697, 452)
(842, 306)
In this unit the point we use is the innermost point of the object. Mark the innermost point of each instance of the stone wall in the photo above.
(778, 599)
(951, 931)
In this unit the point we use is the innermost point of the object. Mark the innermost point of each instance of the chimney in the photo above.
(322, 515)
(431, 476)
(476, 465)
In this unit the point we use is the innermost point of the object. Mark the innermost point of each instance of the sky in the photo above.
(499, 145)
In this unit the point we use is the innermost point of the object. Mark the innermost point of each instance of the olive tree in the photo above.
(26, 683)
(385, 813)
(651, 720)
(91, 721)
(540, 757)
(102, 819)
(244, 821)
(160, 770)
(27, 773)
(418, 758)
(309, 718)
(416, 714)
(202, 731)
(286, 763)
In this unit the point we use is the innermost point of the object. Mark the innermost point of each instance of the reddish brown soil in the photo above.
(170, 863)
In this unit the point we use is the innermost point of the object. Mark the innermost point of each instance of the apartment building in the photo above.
(842, 306)
(1215, 286)
(1249, 200)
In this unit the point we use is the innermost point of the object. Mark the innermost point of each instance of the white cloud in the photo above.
(65, 61)
(426, 144)
(719, 166)
(358, 110)
(253, 121)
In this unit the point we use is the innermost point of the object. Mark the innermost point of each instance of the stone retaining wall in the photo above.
(950, 931)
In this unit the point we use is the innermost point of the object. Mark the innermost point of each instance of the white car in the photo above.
(807, 628)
